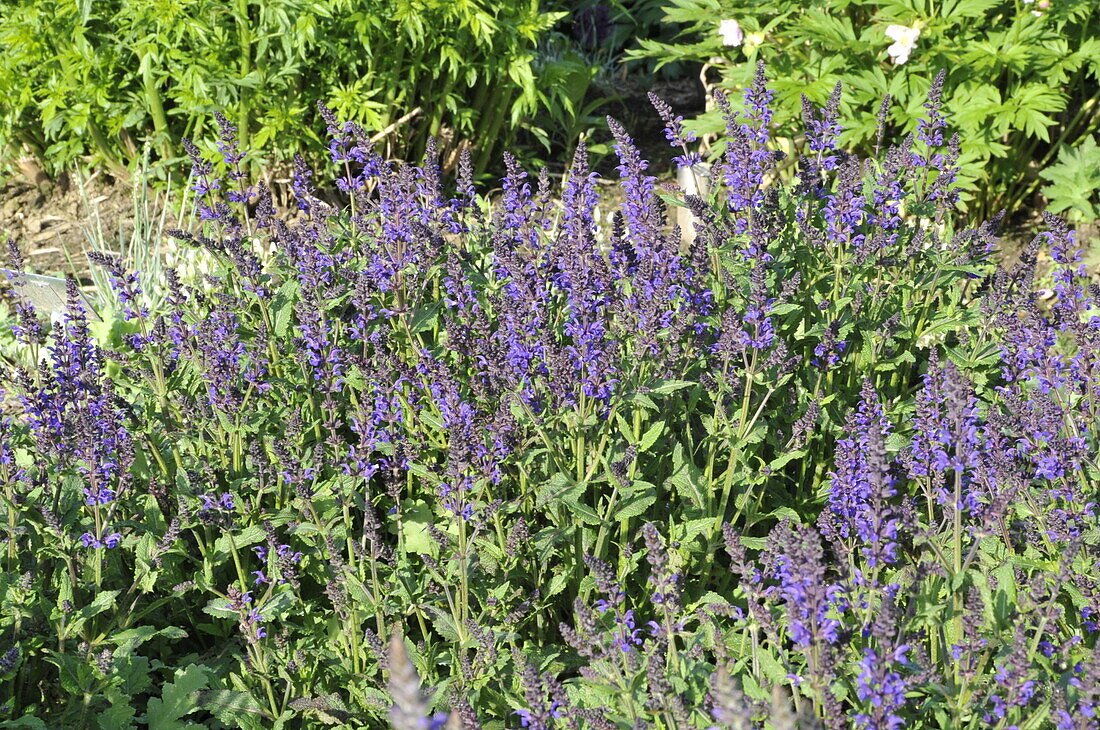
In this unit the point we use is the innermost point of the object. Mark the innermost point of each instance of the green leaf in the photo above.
(415, 516)
(637, 503)
(103, 601)
(753, 689)
(130, 639)
(425, 317)
(687, 480)
(650, 436)
(329, 709)
(558, 583)
(771, 667)
(119, 715)
(246, 537)
(178, 698)
(787, 456)
(284, 306)
(559, 488)
(1075, 181)
(27, 721)
(228, 706)
(670, 386)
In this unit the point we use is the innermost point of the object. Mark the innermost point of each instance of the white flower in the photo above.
(731, 32)
(904, 38)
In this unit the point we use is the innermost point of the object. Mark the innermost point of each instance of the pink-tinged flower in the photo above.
(905, 39)
(731, 32)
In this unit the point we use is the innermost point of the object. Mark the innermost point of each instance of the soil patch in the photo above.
(55, 222)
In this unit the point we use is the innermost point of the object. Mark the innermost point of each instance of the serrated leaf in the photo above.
(694, 528)
(329, 708)
(228, 705)
(415, 516)
(284, 306)
(178, 698)
(246, 537)
(687, 480)
(670, 386)
(753, 689)
(119, 715)
(771, 667)
(558, 583)
(650, 436)
(425, 318)
(636, 504)
(130, 639)
(783, 459)
(103, 601)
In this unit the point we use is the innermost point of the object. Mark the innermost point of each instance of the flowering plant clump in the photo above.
(435, 460)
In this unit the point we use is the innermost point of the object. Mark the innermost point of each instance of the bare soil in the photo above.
(51, 220)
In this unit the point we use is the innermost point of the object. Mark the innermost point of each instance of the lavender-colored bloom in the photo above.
(1083, 713)
(73, 414)
(943, 188)
(27, 329)
(125, 284)
(828, 352)
(675, 133)
(349, 144)
(544, 697)
(861, 484)
(747, 158)
(223, 358)
(930, 129)
(108, 541)
(232, 157)
(887, 195)
(740, 332)
(318, 348)
(639, 206)
(227, 142)
(946, 424)
(249, 619)
(203, 182)
(9, 660)
(823, 129)
(666, 585)
(582, 274)
(882, 688)
(1013, 685)
(302, 184)
(625, 635)
(843, 210)
(216, 510)
(796, 561)
(379, 420)
(201, 170)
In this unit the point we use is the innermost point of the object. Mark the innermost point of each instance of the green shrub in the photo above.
(82, 79)
(1021, 76)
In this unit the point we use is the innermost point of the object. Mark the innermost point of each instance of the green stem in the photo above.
(156, 107)
(244, 49)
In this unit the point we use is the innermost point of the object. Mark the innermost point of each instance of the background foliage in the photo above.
(1022, 78)
(101, 79)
